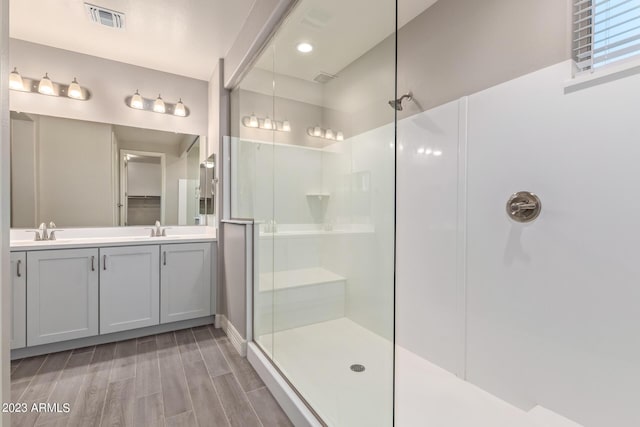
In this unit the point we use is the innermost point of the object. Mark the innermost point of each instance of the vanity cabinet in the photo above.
(62, 295)
(19, 300)
(129, 288)
(185, 281)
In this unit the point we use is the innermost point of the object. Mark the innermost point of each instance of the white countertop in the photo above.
(104, 237)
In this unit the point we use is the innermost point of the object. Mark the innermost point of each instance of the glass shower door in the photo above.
(313, 162)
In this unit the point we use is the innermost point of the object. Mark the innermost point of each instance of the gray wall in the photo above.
(454, 48)
(110, 82)
(23, 177)
(74, 171)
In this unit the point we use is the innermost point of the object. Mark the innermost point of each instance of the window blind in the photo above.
(605, 31)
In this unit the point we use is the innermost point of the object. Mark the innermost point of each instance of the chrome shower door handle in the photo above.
(524, 206)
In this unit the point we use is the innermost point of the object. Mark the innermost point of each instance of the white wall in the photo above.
(551, 307)
(5, 209)
(430, 289)
(110, 83)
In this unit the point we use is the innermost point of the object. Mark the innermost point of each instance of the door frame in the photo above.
(123, 182)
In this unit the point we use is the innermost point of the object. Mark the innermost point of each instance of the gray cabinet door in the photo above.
(129, 288)
(185, 281)
(18, 299)
(62, 295)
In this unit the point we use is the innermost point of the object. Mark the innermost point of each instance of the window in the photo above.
(605, 31)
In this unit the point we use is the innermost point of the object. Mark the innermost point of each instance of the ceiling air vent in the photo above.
(108, 18)
(323, 77)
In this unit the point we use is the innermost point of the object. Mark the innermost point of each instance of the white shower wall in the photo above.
(537, 314)
(329, 204)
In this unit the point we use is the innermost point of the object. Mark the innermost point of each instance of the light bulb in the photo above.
(46, 85)
(286, 126)
(317, 131)
(136, 101)
(304, 47)
(75, 91)
(268, 124)
(428, 151)
(437, 153)
(340, 136)
(253, 121)
(158, 105)
(15, 80)
(329, 134)
(179, 109)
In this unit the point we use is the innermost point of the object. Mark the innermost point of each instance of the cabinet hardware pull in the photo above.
(164, 258)
(18, 272)
(93, 263)
(104, 262)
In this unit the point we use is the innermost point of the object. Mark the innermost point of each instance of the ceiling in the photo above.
(340, 32)
(148, 136)
(182, 37)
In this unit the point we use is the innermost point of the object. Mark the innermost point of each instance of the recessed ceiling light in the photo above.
(304, 47)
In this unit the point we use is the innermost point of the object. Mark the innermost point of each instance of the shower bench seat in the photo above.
(293, 298)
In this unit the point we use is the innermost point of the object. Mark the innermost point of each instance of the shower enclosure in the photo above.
(313, 163)
(446, 210)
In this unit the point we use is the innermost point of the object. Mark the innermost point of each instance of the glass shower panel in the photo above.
(252, 181)
(333, 209)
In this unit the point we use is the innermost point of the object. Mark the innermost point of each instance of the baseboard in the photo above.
(239, 343)
(289, 401)
(21, 353)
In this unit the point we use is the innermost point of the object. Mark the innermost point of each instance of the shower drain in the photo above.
(357, 368)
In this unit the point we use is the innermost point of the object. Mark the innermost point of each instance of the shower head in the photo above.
(396, 104)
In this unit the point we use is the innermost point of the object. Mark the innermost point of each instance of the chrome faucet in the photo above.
(158, 231)
(43, 233)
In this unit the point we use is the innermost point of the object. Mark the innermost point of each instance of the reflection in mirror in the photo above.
(87, 174)
(207, 186)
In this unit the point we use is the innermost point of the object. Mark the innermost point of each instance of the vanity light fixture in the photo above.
(180, 110)
(45, 86)
(136, 101)
(15, 80)
(267, 124)
(328, 134)
(256, 122)
(157, 105)
(304, 47)
(75, 91)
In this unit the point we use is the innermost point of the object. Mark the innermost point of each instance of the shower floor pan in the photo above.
(317, 360)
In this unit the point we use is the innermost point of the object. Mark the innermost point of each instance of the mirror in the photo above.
(87, 174)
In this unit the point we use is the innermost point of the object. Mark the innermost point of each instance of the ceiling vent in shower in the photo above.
(323, 77)
(107, 17)
(316, 19)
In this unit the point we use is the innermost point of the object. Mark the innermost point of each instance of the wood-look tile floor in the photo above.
(192, 377)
